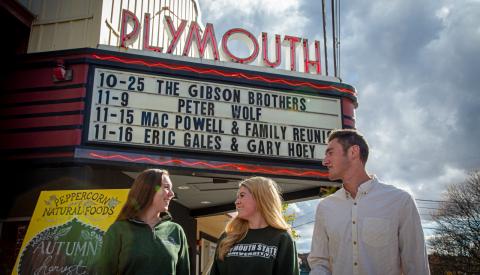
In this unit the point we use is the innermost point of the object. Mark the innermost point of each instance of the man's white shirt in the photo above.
(377, 232)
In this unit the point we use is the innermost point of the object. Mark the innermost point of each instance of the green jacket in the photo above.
(133, 247)
(265, 251)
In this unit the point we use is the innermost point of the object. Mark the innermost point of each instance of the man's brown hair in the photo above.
(349, 137)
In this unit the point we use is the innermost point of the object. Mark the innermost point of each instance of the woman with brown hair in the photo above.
(143, 239)
(258, 240)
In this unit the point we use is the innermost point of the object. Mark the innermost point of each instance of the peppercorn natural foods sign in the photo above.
(199, 41)
(66, 230)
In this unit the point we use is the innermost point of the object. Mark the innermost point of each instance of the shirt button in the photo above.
(355, 263)
(354, 242)
(353, 222)
(354, 203)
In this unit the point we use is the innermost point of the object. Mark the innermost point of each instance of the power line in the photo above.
(334, 39)
(312, 221)
(433, 208)
(338, 37)
(431, 228)
(325, 36)
(302, 224)
(306, 213)
(423, 215)
(426, 200)
(441, 201)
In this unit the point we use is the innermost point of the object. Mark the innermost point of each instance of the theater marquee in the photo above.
(148, 110)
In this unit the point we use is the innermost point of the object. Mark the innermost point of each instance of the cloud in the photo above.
(256, 16)
(294, 209)
(416, 69)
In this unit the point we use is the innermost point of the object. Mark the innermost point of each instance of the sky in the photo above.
(415, 66)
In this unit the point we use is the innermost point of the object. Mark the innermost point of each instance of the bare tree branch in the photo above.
(456, 241)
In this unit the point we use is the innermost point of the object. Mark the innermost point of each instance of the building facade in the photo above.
(97, 91)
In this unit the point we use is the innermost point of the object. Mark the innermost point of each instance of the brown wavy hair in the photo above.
(141, 194)
(349, 137)
(266, 194)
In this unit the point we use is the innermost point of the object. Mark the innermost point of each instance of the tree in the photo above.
(290, 218)
(456, 240)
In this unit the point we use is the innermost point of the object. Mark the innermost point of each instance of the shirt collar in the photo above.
(363, 189)
(164, 216)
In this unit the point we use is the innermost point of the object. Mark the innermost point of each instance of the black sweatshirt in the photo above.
(266, 251)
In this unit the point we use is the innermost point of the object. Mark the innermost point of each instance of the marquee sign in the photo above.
(154, 111)
(197, 41)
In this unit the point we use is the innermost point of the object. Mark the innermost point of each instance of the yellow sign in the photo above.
(65, 233)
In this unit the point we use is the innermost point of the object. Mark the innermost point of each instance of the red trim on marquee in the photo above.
(41, 78)
(349, 122)
(50, 121)
(204, 164)
(348, 108)
(44, 95)
(41, 139)
(223, 73)
(47, 108)
(41, 155)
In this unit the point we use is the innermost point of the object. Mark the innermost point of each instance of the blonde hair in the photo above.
(269, 203)
(141, 194)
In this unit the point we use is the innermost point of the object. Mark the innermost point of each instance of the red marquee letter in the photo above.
(146, 35)
(236, 33)
(174, 34)
(278, 54)
(293, 60)
(124, 37)
(208, 35)
(307, 62)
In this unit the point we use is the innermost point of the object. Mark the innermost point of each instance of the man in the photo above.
(366, 227)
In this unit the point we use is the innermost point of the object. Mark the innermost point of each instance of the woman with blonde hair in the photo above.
(258, 240)
(143, 239)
